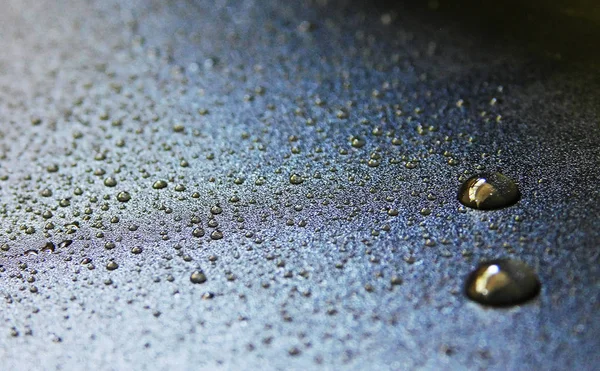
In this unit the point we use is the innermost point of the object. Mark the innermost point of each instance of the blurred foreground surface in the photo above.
(305, 158)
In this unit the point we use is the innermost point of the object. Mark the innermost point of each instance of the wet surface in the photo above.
(263, 185)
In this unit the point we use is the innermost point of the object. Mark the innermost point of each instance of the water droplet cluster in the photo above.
(158, 171)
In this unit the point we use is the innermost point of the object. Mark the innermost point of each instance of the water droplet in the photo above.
(46, 192)
(123, 196)
(48, 247)
(198, 232)
(198, 277)
(502, 282)
(159, 184)
(357, 142)
(216, 235)
(296, 179)
(488, 191)
(110, 182)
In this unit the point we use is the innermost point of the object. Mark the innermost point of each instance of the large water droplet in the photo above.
(502, 282)
(159, 184)
(488, 191)
(296, 179)
(198, 277)
(123, 196)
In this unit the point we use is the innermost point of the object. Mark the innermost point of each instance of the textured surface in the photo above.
(380, 110)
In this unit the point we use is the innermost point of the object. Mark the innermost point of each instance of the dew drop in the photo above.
(46, 192)
(110, 182)
(216, 235)
(357, 142)
(49, 247)
(488, 191)
(198, 232)
(502, 282)
(198, 277)
(123, 196)
(159, 184)
(296, 179)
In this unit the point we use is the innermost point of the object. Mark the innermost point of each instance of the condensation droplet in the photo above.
(296, 179)
(502, 282)
(198, 277)
(123, 196)
(488, 191)
(159, 184)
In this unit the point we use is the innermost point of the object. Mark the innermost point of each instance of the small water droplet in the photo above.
(110, 182)
(48, 247)
(159, 184)
(488, 191)
(296, 179)
(46, 192)
(357, 142)
(198, 277)
(123, 196)
(216, 235)
(198, 232)
(502, 282)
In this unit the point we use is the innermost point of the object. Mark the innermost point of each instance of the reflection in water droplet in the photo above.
(159, 184)
(502, 282)
(30, 252)
(123, 196)
(488, 191)
(65, 243)
(357, 142)
(198, 277)
(216, 235)
(110, 182)
(48, 247)
(296, 179)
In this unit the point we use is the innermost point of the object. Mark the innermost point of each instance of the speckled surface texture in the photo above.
(379, 110)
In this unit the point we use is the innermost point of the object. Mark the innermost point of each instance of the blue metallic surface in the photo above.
(317, 275)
